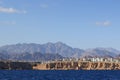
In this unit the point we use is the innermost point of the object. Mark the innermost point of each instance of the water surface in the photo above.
(59, 75)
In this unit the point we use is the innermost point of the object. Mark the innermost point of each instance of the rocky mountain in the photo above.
(101, 52)
(59, 49)
(37, 56)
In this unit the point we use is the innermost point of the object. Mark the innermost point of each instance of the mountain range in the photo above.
(50, 51)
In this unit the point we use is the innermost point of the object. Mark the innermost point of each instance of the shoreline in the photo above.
(59, 65)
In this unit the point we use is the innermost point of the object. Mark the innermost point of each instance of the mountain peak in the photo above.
(58, 47)
(60, 43)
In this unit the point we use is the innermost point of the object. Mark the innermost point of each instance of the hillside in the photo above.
(51, 51)
(58, 47)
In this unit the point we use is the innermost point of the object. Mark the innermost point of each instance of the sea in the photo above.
(59, 75)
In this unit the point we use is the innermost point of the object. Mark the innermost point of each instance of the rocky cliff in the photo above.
(59, 65)
(70, 65)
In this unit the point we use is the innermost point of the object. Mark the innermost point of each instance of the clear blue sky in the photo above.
(78, 23)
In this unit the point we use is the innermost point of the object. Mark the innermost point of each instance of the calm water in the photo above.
(59, 75)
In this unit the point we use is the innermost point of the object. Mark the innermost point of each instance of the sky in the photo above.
(79, 23)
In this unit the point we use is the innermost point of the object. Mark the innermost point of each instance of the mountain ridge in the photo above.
(57, 48)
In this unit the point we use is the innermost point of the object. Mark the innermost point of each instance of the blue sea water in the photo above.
(59, 75)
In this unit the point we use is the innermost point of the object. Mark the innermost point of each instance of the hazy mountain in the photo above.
(58, 47)
(101, 52)
(4, 56)
(28, 51)
(37, 56)
(30, 57)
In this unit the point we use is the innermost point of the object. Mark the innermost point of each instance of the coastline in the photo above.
(59, 65)
(78, 65)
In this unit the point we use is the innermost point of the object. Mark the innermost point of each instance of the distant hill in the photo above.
(58, 47)
(37, 56)
(101, 52)
(51, 51)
